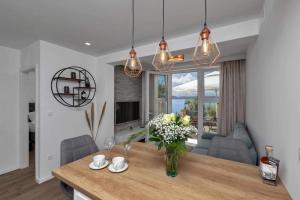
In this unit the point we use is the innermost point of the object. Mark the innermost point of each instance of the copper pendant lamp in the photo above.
(133, 67)
(161, 60)
(206, 52)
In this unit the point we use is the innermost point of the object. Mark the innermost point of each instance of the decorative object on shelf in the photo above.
(171, 131)
(70, 88)
(90, 120)
(161, 60)
(206, 51)
(73, 75)
(87, 82)
(66, 90)
(83, 95)
(269, 167)
(133, 67)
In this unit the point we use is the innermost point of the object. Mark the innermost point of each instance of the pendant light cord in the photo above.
(163, 21)
(205, 13)
(132, 39)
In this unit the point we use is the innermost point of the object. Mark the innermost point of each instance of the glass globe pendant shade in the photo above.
(161, 60)
(206, 51)
(133, 67)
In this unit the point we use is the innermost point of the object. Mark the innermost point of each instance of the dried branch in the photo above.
(100, 119)
(92, 116)
(88, 121)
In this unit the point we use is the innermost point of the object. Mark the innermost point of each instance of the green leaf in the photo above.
(151, 130)
(134, 136)
(160, 145)
(177, 147)
(155, 139)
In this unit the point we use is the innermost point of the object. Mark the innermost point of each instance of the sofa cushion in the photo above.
(204, 143)
(229, 149)
(240, 133)
(253, 155)
(208, 136)
(202, 146)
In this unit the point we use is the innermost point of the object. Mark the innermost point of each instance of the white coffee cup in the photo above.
(99, 160)
(118, 162)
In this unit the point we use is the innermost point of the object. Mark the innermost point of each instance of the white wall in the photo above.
(57, 122)
(105, 92)
(30, 56)
(273, 109)
(9, 87)
(31, 86)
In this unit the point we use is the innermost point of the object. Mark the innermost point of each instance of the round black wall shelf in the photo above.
(73, 86)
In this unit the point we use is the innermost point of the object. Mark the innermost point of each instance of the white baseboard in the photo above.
(4, 171)
(43, 179)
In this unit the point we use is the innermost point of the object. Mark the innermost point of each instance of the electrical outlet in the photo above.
(50, 157)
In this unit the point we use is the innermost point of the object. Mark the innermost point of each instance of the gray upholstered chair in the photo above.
(73, 149)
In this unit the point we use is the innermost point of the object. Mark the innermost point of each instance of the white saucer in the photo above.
(92, 166)
(111, 168)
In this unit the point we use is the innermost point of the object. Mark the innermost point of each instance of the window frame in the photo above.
(200, 93)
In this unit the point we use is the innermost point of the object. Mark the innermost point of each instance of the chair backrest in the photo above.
(76, 148)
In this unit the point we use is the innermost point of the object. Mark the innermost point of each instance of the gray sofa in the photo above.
(237, 146)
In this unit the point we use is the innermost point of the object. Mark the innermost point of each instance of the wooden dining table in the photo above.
(199, 177)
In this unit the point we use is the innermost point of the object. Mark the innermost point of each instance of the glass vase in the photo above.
(171, 162)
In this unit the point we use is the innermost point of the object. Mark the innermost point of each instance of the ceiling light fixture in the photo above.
(206, 51)
(133, 67)
(87, 43)
(161, 60)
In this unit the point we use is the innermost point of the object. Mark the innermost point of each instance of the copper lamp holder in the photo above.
(205, 33)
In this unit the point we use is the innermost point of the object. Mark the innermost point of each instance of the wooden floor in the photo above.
(21, 185)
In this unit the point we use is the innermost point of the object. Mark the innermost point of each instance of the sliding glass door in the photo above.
(185, 95)
(211, 101)
(158, 94)
(195, 93)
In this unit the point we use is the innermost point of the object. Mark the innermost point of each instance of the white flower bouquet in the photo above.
(171, 128)
(171, 131)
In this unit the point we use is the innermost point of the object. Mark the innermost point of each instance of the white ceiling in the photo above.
(107, 23)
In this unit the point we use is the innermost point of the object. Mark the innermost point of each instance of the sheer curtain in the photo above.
(232, 95)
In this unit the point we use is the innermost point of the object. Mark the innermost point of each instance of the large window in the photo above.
(211, 101)
(181, 92)
(185, 95)
(158, 95)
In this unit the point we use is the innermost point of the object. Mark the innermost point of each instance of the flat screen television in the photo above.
(127, 111)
